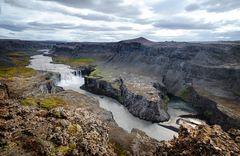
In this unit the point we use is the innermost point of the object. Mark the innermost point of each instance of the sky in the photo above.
(115, 20)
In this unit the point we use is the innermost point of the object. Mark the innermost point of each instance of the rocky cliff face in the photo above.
(212, 70)
(154, 109)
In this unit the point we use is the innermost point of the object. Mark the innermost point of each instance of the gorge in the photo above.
(135, 96)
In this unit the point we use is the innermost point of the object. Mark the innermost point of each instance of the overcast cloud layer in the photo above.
(114, 20)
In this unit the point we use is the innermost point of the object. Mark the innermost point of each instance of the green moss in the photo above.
(184, 93)
(116, 86)
(120, 98)
(74, 129)
(51, 102)
(30, 101)
(208, 114)
(63, 150)
(166, 99)
(74, 62)
(118, 150)
(56, 114)
(47, 103)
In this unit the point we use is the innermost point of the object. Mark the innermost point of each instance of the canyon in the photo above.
(64, 104)
(205, 74)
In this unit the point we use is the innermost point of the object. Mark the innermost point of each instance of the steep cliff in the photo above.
(152, 108)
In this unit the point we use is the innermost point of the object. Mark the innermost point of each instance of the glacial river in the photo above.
(121, 115)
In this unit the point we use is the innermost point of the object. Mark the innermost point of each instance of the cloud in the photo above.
(116, 7)
(192, 7)
(214, 5)
(114, 20)
(183, 23)
(13, 27)
(82, 27)
(42, 6)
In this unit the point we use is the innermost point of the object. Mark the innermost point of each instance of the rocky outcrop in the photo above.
(70, 126)
(207, 108)
(49, 85)
(192, 141)
(84, 70)
(152, 110)
(201, 140)
(28, 130)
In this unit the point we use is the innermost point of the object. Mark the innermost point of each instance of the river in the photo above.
(121, 115)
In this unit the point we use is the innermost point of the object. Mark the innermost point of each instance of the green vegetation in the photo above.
(74, 129)
(65, 150)
(19, 61)
(208, 114)
(118, 149)
(97, 73)
(56, 114)
(120, 98)
(166, 99)
(47, 103)
(10, 72)
(184, 93)
(19, 58)
(73, 62)
(100, 74)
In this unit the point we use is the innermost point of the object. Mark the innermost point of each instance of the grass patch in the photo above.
(19, 58)
(19, 61)
(97, 73)
(100, 74)
(47, 103)
(10, 72)
(74, 62)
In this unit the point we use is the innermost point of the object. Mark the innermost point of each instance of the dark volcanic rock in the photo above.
(212, 68)
(138, 105)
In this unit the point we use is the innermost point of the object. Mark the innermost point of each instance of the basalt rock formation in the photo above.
(210, 69)
(151, 108)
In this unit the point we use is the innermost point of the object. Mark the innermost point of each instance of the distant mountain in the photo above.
(141, 40)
